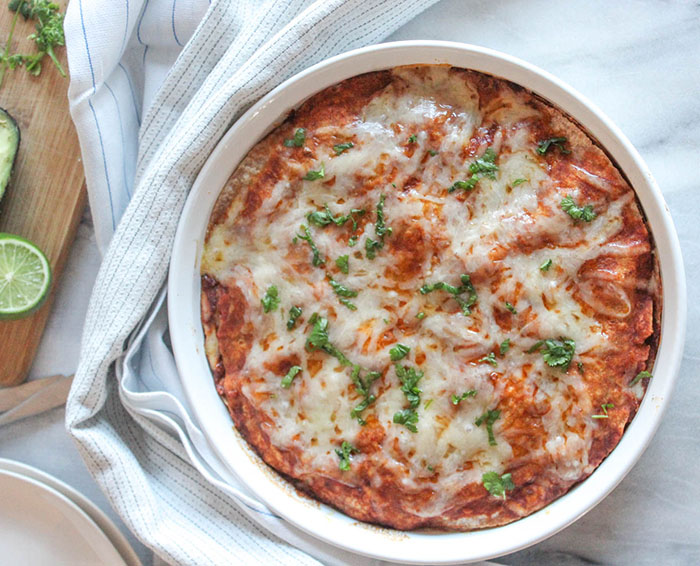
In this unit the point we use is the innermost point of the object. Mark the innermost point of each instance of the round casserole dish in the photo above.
(325, 522)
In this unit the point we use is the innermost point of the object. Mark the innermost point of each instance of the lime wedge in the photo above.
(25, 277)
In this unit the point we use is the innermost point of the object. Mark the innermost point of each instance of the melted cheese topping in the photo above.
(411, 142)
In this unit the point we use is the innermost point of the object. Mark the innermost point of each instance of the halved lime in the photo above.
(25, 277)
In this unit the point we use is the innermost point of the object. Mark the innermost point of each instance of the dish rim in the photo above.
(318, 519)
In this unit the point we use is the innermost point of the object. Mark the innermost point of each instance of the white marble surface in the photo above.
(639, 61)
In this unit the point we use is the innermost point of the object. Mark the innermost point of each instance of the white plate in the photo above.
(41, 527)
(93, 511)
(318, 519)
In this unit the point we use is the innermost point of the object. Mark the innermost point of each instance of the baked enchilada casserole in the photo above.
(429, 299)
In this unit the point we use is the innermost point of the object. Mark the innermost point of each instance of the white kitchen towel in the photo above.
(148, 112)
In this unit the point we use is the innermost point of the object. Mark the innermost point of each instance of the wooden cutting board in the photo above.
(46, 196)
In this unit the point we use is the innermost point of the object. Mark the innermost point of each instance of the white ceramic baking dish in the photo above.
(318, 519)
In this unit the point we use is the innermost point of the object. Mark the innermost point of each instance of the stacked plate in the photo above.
(43, 521)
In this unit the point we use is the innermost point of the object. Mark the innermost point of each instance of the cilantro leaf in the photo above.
(325, 217)
(409, 378)
(546, 265)
(346, 449)
(457, 399)
(556, 353)
(341, 147)
(585, 213)
(348, 304)
(518, 182)
(294, 314)
(342, 263)
(641, 375)
(488, 418)
(465, 287)
(490, 359)
(317, 259)
(421, 315)
(504, 347)
(408, 418)
(314, 175)
(511, 308)
(398, 352)
(271, 299)
(371, 247)
(291, 374)
(318, 339)
(484, 166)
(497, 485)
(545, 145)
(298, 139)
(432, 152)
(340, 289)
(413, 138)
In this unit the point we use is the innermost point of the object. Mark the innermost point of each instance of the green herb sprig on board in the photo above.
(48, 35)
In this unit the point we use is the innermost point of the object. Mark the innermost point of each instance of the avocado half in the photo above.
(9, 145)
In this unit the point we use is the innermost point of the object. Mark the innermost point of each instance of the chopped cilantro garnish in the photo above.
(465, 287)
(432, 152)
(464, 185)
(298, 139)
(421, 315)
(342, 263)
(357, 411)
(488, 418)
(641, 375)
(380, 229)
(518, 182)
(398, 352)
(504, 347)
(585, 213)
(371, 247)
(457, 399)
(484, 166)
(427, 404)
(352, 241)
(348, 304)
(605, 407)
(341, 147)
(490, 359)
(340, 289)
(497, 485)
(344, 452)
(580, 368)
(271, 300)
(556, 353)
(546, 265)
(318, 340)
(413, 138)
(315, 175)
(511, 308)
(317, 259)
(291, 374)
(294, 314)
(409, 378)
(362, 384)
(408, 418)
(545, 145)
(325, 217)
